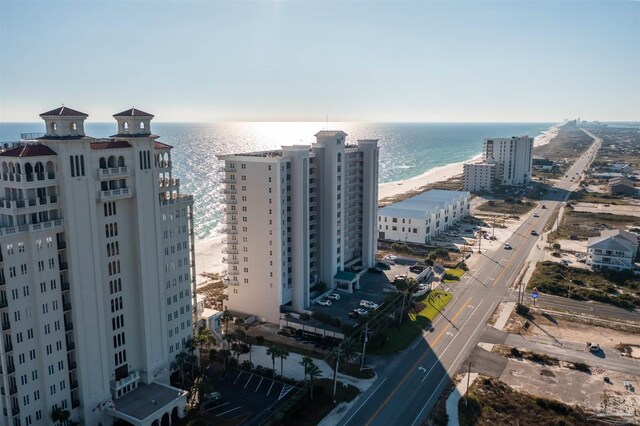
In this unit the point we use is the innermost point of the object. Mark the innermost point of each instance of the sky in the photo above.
(209, 61)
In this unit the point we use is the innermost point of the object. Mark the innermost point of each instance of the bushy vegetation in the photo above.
(507, 206)
(612, 287)
(491, 402)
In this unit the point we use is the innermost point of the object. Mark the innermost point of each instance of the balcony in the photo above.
(16, 410)
(114, 194)
(112, 172)
(133, 377)
(72, 365)
(62, 245)
(6, 325)
(65, 286)
(64, 266)
(74, 384)
(3, 303)
(66, 307)
(75, 403)
(229, 251)
(230, 261)
(233, 272)
(168, 183)
(231, 231)
(14, 230)
(227, 169)
(229, 191)
(8, 347)
(68, 326)
(70, 346)
(11, 369)
(3, 281)
(164, 164)
(226, 180)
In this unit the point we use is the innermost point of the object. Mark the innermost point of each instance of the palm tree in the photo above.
(205, 337)
(306, 362)
(60, 415)
(226, 316)
(314, 372)
(225, 357)
(273, 352)
(181, 362)
(284, 354)
(230, 338)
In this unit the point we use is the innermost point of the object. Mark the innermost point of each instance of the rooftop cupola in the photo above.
(64, 122)
(133, 122)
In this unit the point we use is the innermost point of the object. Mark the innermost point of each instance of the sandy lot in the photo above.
(612, 209)
(575, 387)
(574, 331)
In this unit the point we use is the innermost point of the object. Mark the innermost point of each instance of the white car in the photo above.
(536, 214)
(324, 302)
(507, 246)
(334, 296)
(369, 305)
(361, 311)
(390, 257)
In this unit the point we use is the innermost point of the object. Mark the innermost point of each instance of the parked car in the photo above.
(212, 397)
(368, 304)
(390, 257)
(536, 214)
(324, 302)
(334, 296)
(361, 311)
(417, 268)
(400, 277)
(382, 265)
(375, 271)
(507, 246)
(353, 314)
(534, 232)
(593, 347)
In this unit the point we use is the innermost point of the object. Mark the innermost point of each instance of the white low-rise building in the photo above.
(423, 217)
(614, 249)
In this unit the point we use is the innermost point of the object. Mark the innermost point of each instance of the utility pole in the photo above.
(479, 242)
(520, 293)
(364, 343)
(466, 399)
(493, 235)
(335, 374)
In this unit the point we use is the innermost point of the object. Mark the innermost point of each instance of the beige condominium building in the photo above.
(296, 217)
(96, 274)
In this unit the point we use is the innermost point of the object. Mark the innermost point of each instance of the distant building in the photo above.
(540, 163)
(613, 249)
(422, 217)
(210, 318)
(480, 177)
(513, 164)
(622, 185)
(296, 217)
(96, 274)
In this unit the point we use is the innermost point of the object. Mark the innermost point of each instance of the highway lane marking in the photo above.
(386, 401)
(433, 325)
(450, 343)
(481, 323)
(365, 401)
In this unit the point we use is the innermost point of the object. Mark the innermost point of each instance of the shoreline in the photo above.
(208, 252)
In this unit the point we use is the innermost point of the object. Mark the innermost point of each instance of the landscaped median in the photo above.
(419, 318)
(453, 274)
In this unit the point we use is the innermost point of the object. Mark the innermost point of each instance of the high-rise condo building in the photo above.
(506, 161)
(96, 274)
(296, 217)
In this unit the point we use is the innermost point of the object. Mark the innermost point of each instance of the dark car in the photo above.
(376, 271)
(417, 268)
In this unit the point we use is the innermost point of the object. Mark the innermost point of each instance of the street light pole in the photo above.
(364, 343)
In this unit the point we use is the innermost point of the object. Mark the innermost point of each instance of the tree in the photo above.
(314, 372)
(306, 362)
(226, 316)
(181, 362)
(226, 353)
(60, 415)
(205, 337)
(284, 354)
(273, 352)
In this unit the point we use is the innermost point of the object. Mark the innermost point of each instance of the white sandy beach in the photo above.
(209, 252)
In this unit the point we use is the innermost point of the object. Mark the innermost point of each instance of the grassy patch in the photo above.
(492, 402)
(568, 145)
(515, 207)
(453, 274)
(600, 198)
(399, 338)
(615, 288)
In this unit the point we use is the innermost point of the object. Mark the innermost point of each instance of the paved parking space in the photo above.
(247, 398)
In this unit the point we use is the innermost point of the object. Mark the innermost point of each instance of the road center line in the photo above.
(451, 342)
(386, 401)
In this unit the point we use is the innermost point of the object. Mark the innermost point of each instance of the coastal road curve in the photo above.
(408, 387)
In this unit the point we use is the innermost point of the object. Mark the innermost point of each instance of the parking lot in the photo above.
(247, 398)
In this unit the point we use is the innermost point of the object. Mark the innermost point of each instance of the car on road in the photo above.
(536, 214)
(334, 296)
(368, 304)
(324, 302)
(417, 268)
(593, 347)
(507, 246)
(361, 311)
(565, 262)
(534, 232)
(544, 206)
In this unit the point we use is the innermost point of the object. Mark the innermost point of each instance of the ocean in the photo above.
(406, 149)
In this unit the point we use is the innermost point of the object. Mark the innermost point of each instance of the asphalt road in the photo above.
(548, 301)
(409, 386)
